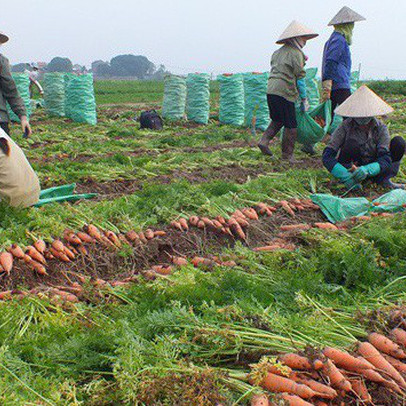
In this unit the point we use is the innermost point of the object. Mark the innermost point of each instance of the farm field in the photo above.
(184, 316)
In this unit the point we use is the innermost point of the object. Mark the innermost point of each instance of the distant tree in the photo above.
(20, 67)
(160, 73)
(59, 64)
(101, 68)
(132, 65)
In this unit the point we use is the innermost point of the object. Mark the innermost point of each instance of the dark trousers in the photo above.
(351, 154)
(6, 127)
(338, 97)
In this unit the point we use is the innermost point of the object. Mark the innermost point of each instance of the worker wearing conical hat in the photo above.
(9, 94)
(361, 147)
(287, 67)
(336, 70)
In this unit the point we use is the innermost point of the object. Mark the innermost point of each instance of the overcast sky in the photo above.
(198, 35)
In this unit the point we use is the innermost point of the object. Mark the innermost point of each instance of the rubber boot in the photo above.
(288, 144)
(308, 149)
(263, 144)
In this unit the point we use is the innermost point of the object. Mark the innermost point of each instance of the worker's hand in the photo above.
(352, 184)
(327, 85)
(360, 174)
(304, 105)
(25, 126)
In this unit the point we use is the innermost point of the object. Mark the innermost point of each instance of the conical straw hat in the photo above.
(346, 15)
(364, 103)
(3, 38)
(296, 29)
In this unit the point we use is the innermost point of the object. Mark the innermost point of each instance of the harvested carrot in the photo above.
(229, 264)
(276, 383)
(387, 215)
(196, 261)
(293, 400)
(296, 361)
(344, 360)
(16, 251)
(82, 250)
(94, 232)
(247, 212)
(236, 229)
(397, 364)
(221, 220)
(207, 222)
(295, 227)
(164, 270)
(60, 255)
(359, 387)
(84, 237)
(193, 220)
(71, 238)
(183, 223)
(179, 261)
(385, 345)
(69, 253)
(5, 295)
(318, 364)
(337, 379)
(40, 246)
(6, 261)
(35, 255)
(241, 221)
(259, 400)
(142, 237)
(326, 226)
(238, 213)
(149, 234)
(201, 225)
(112, 236)
(37, 267)
(364, 218)
(285, 206)
(58, 245)
(325, 391)
(371, 354)
(160, 233)
(399, 336)
(217, 224)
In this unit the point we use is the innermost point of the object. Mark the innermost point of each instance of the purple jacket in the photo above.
(337, 62)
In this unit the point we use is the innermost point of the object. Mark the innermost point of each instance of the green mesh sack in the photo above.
(355, 81)
(312, 87)
(174, 103)
(231, 99)
(22, 82)
(310, 130)
(80, 99)
(54, 94)
(198, 97)
(67, 78)
(256, 106)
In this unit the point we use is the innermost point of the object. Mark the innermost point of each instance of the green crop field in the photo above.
(123, 324)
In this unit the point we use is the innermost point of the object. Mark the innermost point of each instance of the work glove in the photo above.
(25, 126)
(327, 85)
(345, 176)
(366, 171)
(304, 105)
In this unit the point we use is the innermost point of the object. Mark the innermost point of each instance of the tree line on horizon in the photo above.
(121, 66)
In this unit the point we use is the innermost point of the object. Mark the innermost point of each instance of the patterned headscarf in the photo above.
(346, 30)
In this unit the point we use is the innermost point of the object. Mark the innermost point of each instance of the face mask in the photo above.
(363, 120)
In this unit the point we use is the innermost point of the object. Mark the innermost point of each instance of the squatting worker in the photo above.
(9, 93)
(361, 147)
(34, 79)
(287, 67)
(336, 70)
(19, 184)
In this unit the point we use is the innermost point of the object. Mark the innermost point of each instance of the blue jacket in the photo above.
(337, 62)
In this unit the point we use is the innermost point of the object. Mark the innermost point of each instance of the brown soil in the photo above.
(109, 263)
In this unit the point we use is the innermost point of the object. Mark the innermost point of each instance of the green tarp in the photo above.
(22, 82)
(338, 209)
(80, 99)
(59, 194)
(309, 132)
(198, 97)
(312, 87)
(231, 99)
(54, 94)
(174, 103)
(256, 105)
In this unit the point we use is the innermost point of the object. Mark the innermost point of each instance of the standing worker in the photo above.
(336, 71)
(9, 93)
(34, 82)
(287, 68)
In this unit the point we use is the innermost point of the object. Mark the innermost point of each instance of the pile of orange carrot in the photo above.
(335, 375)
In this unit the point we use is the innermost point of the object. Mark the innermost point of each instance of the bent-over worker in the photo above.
(19, 184)
(9, 93)
(336, 70)
(361, 147)
(287, 68)
(34, 82)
